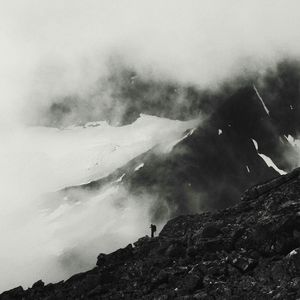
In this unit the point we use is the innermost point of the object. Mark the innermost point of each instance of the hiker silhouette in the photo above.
(153, 230)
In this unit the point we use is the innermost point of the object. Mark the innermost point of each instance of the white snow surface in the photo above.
(293, 142)
(269, 162)
(261, 100)
(53, 244)
(138, 167)
(79, 155)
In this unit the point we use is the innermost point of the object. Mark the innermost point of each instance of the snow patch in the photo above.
(267, 159)
(120, 178)
(261, 100)
(138, 167)
(270, 163)
(293, 252)
(292, 141)
(255, 144)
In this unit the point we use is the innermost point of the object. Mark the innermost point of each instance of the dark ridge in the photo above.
(248, 251)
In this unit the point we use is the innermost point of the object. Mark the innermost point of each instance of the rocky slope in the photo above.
(249, 251)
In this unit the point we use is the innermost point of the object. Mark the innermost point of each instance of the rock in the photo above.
(242, 263)
(211, 245)
(162, 277)
(295, 283)
(278, 271)
(175, 250)
(294, 260)
(14, 294)
(211, 231)
(192, 251)
(189, 284)
(116, 257)
(98, 290)
(101, 259)
(201, 296)
(249, 251)
(38, 284)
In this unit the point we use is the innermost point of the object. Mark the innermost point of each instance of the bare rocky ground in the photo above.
(249, 251)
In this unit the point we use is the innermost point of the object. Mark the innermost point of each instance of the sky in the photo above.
(52, 48)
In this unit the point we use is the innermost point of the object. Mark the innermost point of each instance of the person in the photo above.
(153, 230)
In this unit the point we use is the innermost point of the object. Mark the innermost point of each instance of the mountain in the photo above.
(237, 146)
(248, 251)
(105, 184)
(247, 134)
(205, 169)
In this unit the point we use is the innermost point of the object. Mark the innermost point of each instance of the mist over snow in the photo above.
(36, 161)
(69, 114)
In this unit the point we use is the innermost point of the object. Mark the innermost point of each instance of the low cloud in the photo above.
(55, 50)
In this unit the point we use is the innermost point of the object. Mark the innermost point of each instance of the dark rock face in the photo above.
(249, 251)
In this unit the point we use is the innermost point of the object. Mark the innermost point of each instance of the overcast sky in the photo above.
(55, 47)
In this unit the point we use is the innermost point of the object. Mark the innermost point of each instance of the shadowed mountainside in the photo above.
(214, 163)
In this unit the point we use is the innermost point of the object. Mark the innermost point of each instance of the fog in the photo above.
(52, 49)
(56, 49)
